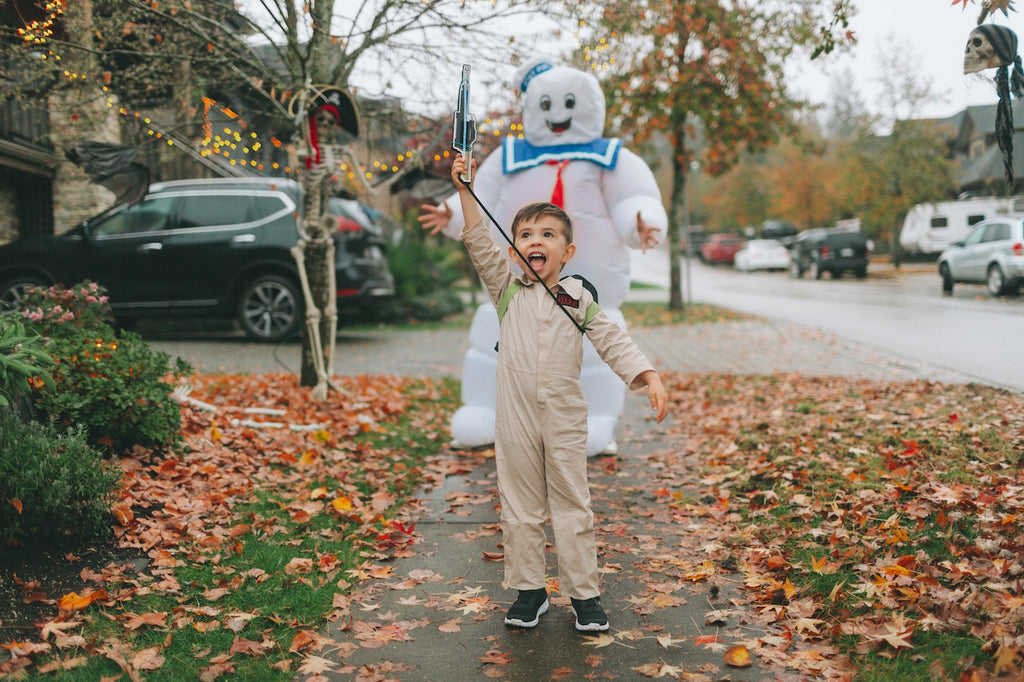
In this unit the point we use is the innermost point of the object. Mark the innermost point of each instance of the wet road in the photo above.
(902, 312)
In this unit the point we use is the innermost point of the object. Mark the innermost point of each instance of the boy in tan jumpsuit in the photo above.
(540, 433)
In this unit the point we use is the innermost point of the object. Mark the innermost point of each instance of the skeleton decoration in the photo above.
(991, 46)
(329, 113)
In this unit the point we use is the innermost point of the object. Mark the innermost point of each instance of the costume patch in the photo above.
(565, 299)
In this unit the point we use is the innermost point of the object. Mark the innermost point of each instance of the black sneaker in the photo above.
(526, 611)
(589, 615)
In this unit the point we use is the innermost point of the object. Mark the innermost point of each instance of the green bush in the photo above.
(22, 357)
(114, 386)
(425, 273)
(53, 485)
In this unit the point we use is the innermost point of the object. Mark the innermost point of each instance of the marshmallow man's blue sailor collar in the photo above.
(519, 154)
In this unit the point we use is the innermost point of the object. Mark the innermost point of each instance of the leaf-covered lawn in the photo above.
(869, 530)
(878, 528)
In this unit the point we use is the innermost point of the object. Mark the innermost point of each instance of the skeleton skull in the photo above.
(980, 54)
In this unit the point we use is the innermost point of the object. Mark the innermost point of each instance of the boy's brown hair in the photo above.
(538, 210)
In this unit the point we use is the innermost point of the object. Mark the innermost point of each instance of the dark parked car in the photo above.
(992, 254)
(721, 248)
(204, 248)
(781, 230)
(832, 250)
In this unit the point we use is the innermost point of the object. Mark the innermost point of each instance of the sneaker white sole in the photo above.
(528, 623)
(589, 627)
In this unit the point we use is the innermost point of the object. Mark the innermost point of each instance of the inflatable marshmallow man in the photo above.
(614, 202)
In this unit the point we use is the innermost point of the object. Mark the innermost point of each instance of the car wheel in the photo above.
(795, 271)
(947, 279)
(996, 280)
(815, 270)
(861, 273)
(269, 308)
(12, 292)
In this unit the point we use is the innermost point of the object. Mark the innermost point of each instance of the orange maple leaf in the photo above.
(72, 601)
(17, 504)
(737, 657)
(495, 656)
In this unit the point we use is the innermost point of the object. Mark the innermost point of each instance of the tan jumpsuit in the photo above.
(540, 433)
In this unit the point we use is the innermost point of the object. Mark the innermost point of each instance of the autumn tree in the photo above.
(740, 197)
(673, 64)
(895, 160)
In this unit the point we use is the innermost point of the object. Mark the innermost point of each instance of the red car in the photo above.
(721, 248)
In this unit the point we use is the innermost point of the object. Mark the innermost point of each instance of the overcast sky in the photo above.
(933, 31)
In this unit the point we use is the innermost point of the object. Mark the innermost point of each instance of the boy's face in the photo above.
(542, 242)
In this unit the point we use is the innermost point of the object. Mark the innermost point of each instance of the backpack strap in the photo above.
(506, 298)
(514, 286)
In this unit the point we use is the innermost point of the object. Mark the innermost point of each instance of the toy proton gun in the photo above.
(464, 128)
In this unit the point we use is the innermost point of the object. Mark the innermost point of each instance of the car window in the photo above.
(149, 215)
(213, 209)
(1001, 233)
(975, 235)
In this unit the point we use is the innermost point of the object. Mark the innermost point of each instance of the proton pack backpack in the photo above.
(514, 286)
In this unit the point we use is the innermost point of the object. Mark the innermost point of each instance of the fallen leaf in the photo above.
(737, 657)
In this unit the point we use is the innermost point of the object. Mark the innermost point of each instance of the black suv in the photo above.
(210, 248)
(832, 250)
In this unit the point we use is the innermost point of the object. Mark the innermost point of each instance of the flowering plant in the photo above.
(113, 384)
(56, 311)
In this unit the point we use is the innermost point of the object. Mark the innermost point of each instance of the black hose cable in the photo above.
(523, 258)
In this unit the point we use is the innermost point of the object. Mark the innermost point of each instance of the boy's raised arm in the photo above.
(470, 210)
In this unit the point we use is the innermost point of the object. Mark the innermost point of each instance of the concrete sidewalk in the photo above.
(438, 615)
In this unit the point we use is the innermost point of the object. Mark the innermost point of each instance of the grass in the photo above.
(637, 314)
(271, 577)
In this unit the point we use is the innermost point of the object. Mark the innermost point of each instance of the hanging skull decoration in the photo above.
(989, 46)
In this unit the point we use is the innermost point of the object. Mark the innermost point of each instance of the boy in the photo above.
(540, 433)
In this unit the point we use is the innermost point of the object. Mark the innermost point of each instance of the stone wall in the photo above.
(77, 115)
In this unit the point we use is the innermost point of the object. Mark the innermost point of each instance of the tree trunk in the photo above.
(677, 216)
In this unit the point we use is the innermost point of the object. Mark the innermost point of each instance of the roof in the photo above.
(989, 166)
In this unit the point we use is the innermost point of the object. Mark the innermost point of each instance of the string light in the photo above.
(229, 143)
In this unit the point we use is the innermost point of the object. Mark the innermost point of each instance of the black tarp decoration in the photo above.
(112, 166)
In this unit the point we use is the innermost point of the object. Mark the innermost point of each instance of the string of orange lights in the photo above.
(239, 145)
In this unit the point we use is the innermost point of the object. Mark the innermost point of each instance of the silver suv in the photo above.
(992, 254)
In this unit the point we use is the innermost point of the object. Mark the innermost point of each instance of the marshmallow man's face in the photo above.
(563, 106)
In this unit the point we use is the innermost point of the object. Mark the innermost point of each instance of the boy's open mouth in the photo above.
(537, 260)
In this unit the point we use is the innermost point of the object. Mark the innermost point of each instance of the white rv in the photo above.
(930, 228)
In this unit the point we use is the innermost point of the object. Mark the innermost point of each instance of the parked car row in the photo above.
(991, 254)
(816, 252)
(205, 248)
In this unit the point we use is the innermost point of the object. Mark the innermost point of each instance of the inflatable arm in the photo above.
(629, 188)
(487, 184)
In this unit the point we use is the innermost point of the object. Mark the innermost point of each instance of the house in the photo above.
(981, 159)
